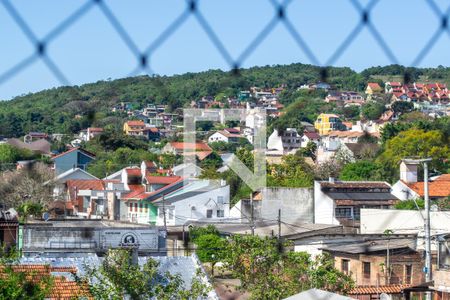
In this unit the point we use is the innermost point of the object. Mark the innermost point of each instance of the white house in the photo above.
(224, 136)
(408, 187)
(339, 202)
(309, 137)
(197, 200)
(287, 141)
(59, 182)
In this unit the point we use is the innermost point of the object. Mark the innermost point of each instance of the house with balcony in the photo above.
(328, 122)
(340, 202)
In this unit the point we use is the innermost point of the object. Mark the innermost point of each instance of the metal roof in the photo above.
(361, 196)
(373, 246)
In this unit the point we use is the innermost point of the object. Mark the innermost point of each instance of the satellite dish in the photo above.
(434, 208)
(384, 296)
(46, 216)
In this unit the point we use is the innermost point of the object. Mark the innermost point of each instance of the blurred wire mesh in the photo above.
(192, 9)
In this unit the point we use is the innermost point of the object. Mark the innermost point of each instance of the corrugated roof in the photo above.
(355, 184)
(373, 246)
(361, 196)
(372, 290)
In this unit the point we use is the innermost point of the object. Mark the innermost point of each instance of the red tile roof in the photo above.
(75, 149)
(136, 191)
(372, 290)
(135, 123)
(395, 83)
(86, 184)
(161, 179)
(133, 172)
(95, 129)
(62, 288)
(149, 164)
(437, 188)
(374, 85)
(312, 135)
(196, 146)
(443, 177)
(75, 185)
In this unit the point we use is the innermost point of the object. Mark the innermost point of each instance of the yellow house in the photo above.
(134, 127)
(327, 122)
(373, 88)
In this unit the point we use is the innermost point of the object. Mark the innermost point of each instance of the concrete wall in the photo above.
(323, 207)
(296, 204)
(38, 238)
(404, 221)
(442, 280)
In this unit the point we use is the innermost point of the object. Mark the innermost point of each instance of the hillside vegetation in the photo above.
(69, 109)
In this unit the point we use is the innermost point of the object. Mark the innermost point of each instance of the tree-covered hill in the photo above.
(69, 109)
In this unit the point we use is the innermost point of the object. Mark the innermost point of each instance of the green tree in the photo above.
(17, 285)
(351, 112)
(410, 204)
(210, 248)
(416, 143)
(361, 170)
(117, 278)
(372, 110)
(268, 273)
(402, 107)
(292, 172)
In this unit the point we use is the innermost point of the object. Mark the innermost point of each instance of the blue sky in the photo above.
(90, 49)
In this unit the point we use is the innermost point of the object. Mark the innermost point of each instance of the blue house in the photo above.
(74, 158)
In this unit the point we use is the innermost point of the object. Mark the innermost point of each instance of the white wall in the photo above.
(202, 202)
(217, 137)
(403, 192)
(403, 222)
(323, 207)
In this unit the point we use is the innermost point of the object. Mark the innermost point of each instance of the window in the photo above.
(345, 265)
(140, 207)
(220, 200)
(209, 213)
(408, 274)
(171, 213)
(146, 208)
(135, 206)
(220, 213)
(344, 212)
(366, 270)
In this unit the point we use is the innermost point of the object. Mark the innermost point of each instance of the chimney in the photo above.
(408, 172)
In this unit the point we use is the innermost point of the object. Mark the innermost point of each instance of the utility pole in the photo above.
(280, 246)
(279, 224)
(252, 222)
(164, 213)
(427, 222)
(388, 265)
(427, 268)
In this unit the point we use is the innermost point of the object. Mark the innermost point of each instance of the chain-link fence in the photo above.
(193, 9)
